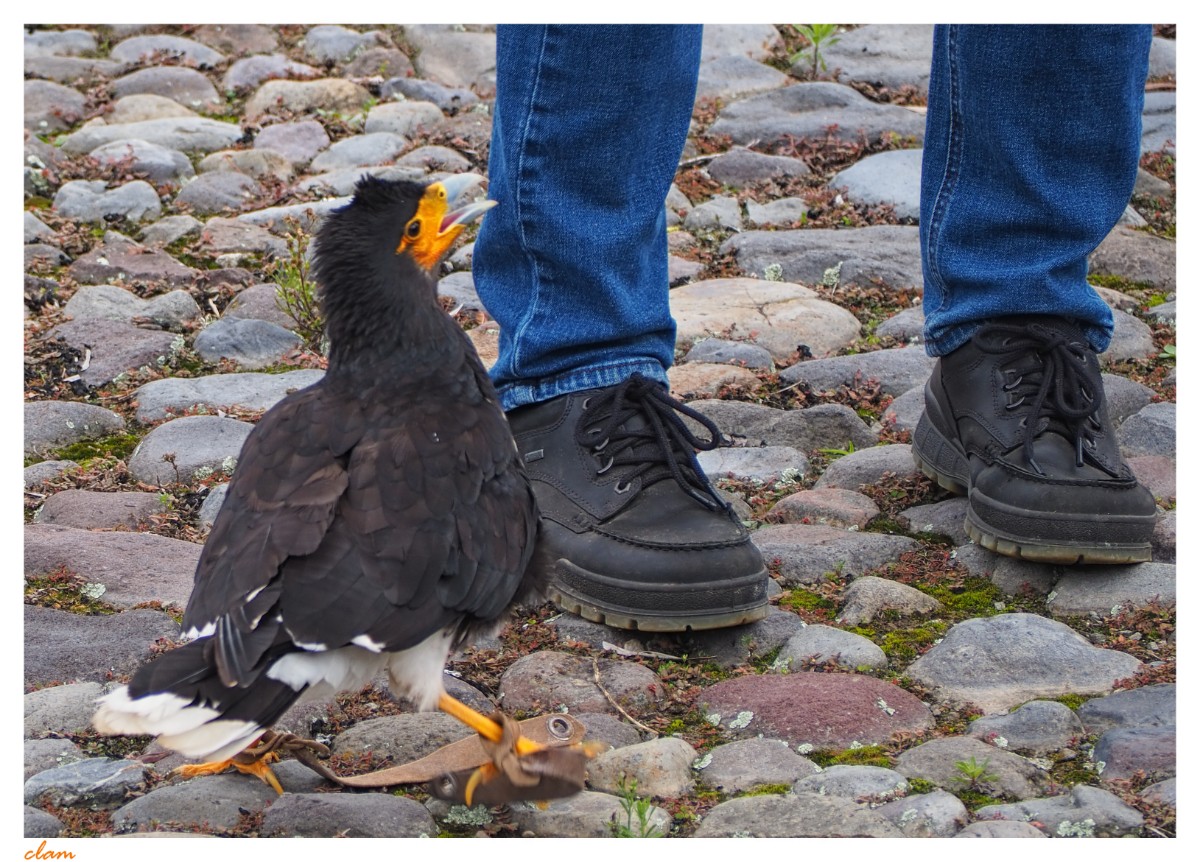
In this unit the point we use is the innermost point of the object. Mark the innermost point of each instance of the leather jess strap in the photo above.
(555, 772)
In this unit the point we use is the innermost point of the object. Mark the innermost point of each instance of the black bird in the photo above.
(376, 519)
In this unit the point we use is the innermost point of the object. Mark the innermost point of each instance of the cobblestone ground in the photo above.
(172, 177)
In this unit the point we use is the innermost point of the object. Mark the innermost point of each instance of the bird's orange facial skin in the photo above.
(423, 238)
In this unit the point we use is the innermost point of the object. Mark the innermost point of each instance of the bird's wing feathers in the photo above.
(353, 521)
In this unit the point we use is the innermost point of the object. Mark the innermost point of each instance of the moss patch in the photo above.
(117, 446)
(863, 755)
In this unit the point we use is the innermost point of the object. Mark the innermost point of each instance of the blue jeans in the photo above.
(1031, 150)
(1031, 153)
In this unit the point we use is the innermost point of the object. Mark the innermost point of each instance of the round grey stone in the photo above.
(827, 644)
(740, 167)
(158, 163)
(64, 646)
(785, 212)
(814, 110)
(808, 554)
(1107, 589)
(868, 467)
(92, 200)
(1148, 706)
(1160, 793)
(45, 255)
(756, 464)
(146, 106)
(833, 507)
(212, 505)
(945, 518)
(298, 142)
(884, 254)
(720, 213)
(1000, 829)
(215, 800)
(333, 95)
(108, 302)
(449, 55)
(376, 148)
(1013, 576)
(1013, 776)
(460, 287)
(68, 70)
(259, 164)
(1001, 661)
(662, 768)
(99, 510)
(739, 766)
(248, 72)
(379, 61)
(43, 754)
(1085, 812)
(587, 814)
(98, 783)
(187, 51)
(1128, 751)
(1150, 431)
(39, 824)
(869, 597)
(739, 353)
(1137, 256)
(35, 229)
(756, 41)
(408, 119)
(896, 369)
(188, 87)
(230, 236)
(907, 324)
(1036, 728)
(802, 815)
(219, 191)
(450, 100)
(125, 261)
(736, 76)
(403, 738)
(823, 426)
(116, 347)
(345, 815)
(197, 445)
(892, 177)
(259, 302)
(158, 399)
(52, 424)
(547, 680)
(601, 727)
(61, 709)
(59, 43)
(739, 645)
(342, 182)
(855, 782)
(332, 43)
(170, 229)
(51, 107)
(928, 815)
(437, 158)
(883, 55)
(249, 343)
(238, 38)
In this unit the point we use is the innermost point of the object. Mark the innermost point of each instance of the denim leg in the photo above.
(1031, 151)
(588, 127)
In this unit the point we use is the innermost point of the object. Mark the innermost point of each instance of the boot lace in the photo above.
(1050, 377)
(660, 448)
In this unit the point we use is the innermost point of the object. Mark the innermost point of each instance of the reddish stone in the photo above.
(826, 710)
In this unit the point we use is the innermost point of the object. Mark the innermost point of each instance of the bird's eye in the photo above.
(414, 229)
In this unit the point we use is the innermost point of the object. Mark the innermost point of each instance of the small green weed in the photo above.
(974, 774)
(820, 37)
(296, 293)
(634, 806)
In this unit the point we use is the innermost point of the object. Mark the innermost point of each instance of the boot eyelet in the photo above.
(586, 401)
(600, 446)
(606, 467)
(622, 487)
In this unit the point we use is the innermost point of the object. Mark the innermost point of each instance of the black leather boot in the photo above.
(1016, 419)
(641, 539)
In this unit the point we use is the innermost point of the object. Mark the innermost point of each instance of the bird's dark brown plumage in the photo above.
(381, 506)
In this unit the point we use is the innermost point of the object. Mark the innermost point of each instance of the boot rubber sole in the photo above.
(942, 461)
(737, 611)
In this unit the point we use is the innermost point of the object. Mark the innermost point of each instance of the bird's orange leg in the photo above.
(483, 725)
(489, 730)
(256, 759)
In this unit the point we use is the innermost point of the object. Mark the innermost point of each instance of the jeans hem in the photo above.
(514, 395)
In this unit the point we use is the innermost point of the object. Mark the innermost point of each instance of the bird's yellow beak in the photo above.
(435, 227)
